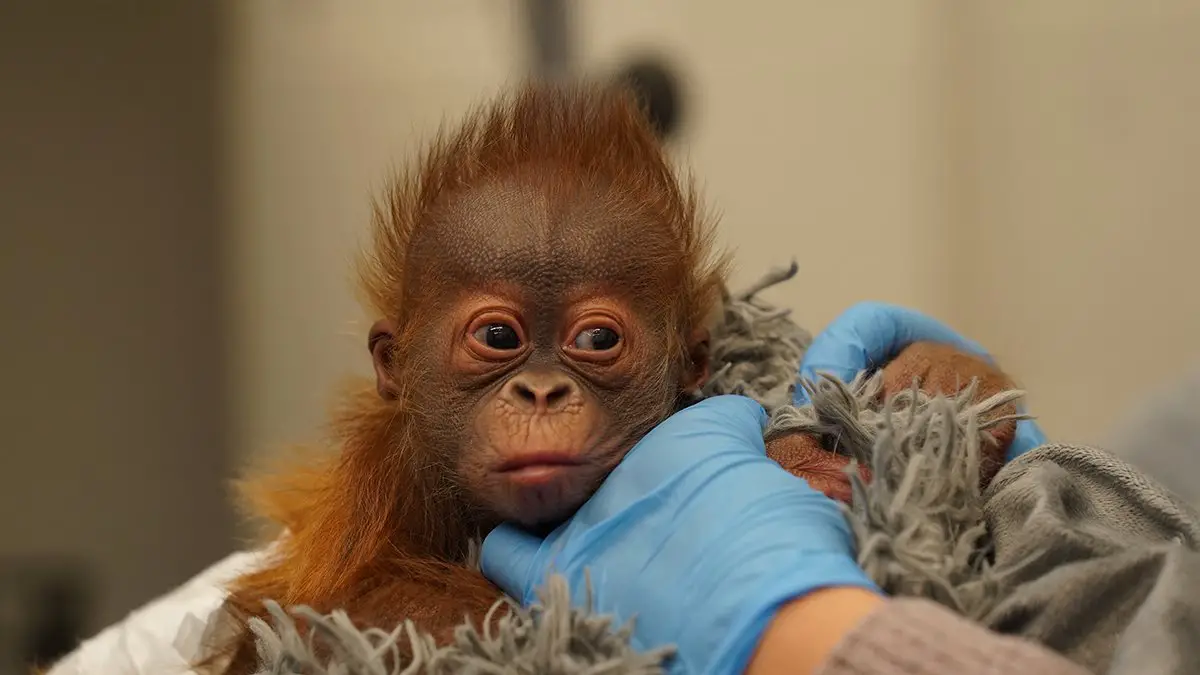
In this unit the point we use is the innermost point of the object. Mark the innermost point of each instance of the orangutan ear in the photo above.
(697, 372)
(382, 343)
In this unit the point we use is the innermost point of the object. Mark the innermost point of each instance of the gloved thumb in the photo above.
(508, 558)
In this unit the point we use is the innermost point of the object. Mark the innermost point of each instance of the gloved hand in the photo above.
(696, 534)
(869, 335)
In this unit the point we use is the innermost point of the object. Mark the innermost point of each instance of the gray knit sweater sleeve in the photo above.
(918, 637)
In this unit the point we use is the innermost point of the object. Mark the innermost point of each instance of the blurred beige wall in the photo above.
(1019, 169)
(815, 131)
(1078, 158)
(114, 452)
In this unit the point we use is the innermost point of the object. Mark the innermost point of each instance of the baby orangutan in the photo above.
(542, 280)
(542, 277)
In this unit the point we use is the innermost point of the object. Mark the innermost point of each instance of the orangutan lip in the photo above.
(536, 460)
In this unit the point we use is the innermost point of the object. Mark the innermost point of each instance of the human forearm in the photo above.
(848, 631)
(806, 631)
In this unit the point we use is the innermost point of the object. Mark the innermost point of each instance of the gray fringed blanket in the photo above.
(1068, 546)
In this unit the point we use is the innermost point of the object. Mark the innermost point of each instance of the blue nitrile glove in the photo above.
(696, 534)
(870, 334)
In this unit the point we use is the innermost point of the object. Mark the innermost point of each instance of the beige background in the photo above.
(115, 443)
(816, 133)
(1021, 169)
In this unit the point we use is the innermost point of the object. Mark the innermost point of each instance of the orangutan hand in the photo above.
(872, 335)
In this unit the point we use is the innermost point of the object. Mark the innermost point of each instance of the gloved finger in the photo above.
(869, 335)
(509, 558)
(721, 428)
(721, 423)
(1029, 436)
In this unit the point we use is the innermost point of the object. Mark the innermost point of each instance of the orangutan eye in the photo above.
(498, 336)
(597, 339)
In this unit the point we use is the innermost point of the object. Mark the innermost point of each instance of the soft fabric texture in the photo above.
(1088, 550)
(1068, 545)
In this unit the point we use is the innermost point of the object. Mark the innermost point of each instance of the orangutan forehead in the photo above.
(544, 237)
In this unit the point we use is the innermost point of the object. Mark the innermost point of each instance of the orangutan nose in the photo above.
(539, 392)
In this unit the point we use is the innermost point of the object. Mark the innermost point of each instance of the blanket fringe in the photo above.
(756, 347)
(550, 637)
(919, 523)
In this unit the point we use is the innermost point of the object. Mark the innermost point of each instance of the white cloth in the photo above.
(162, 637)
